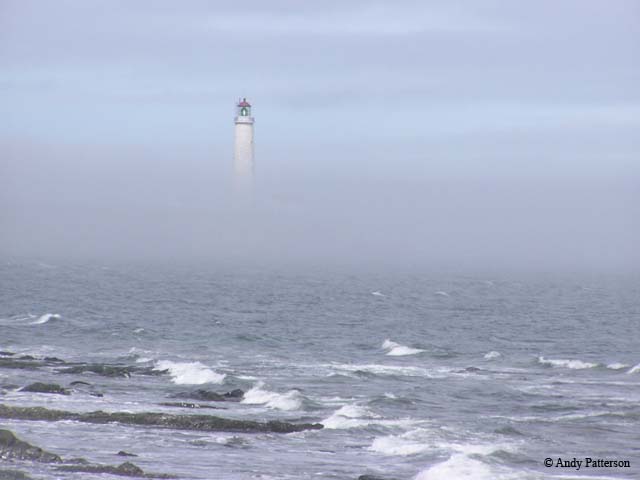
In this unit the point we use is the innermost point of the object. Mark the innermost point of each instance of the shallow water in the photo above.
(418, 376)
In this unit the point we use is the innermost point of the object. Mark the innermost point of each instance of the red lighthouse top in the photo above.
(243, 103)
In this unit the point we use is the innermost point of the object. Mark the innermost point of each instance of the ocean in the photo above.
(412, 375)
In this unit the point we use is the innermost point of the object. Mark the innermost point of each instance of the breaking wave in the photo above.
(458, 467)
(349, 416)
(635, 369)
(382, 369)
(492, 354)
(397, 350)
(617, 366)
(572, 364)
(291, 400)
(189, 373)
(45, 318)
(412, 442)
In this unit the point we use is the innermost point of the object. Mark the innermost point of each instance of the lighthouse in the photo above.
(243, 153)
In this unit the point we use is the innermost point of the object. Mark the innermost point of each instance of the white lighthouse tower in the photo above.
(243, 154)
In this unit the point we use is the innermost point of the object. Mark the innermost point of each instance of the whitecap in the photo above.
(138, 330)
(412, 442)
(458, 467)
(635, 369)
(383, 369)
(45, 318)
(617, 366)
(189, 373)
(491, 355)
(291, 400)
(441, 293)
(572, 364)
(397, 350)
(378, 294)
(349, 416)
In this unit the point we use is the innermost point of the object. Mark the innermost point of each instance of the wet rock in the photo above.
(112, 370)
(372, 477)
(39, 387)
(189, 405)
(13, 475)
(53, 360)
(10, 362)
(28, 362)
(126, 469)
(122, 453)
(232, 396)
(178, 422)
(12, 448)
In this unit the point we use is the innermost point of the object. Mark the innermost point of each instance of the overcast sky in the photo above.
(459, 134)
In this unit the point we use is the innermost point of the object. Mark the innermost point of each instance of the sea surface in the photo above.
(420, 375)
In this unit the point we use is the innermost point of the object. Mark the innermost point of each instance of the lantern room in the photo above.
(243, 108)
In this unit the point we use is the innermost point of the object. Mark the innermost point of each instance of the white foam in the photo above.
(378, 294)
(572, 364)
(413, 442)
(349, 416)
(45, 318)
(617, 366)
(138, 330)
(383, 369)
(397, 350)
(291, 400)
(190, 373)
(458, 467)
(634, 369)
(491, 355)
(441, 293)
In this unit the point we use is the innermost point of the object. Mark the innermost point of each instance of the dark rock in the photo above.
(179, 422)
(112, 370)
(26, 357)
(12, 448)
(126, 469)
(4, 353)
(53, 360)
(39, 387)
(189, 405)
(10, 362)
(232, 396)
(372, 477)
(122, 453)
(99, 369)
(13, 475)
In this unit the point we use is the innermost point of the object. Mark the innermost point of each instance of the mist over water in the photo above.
(127, 204)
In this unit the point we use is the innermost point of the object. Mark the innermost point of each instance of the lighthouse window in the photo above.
(243, 112)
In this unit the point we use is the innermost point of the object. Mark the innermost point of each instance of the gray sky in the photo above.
(463, 134)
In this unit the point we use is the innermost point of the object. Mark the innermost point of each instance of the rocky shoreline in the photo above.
(14, 449)
(206, 423)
